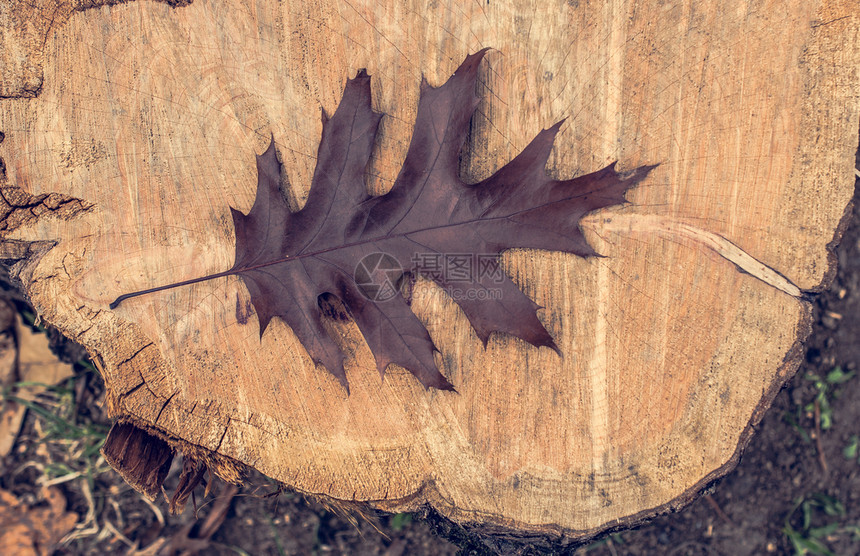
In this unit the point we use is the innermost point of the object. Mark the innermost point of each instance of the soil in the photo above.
(795, 491)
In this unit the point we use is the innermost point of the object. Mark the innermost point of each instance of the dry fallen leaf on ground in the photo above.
(26, 531)
(37, 363)
(37, 366)
(11, 413)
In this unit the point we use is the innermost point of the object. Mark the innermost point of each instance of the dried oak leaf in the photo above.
(428, 210)
(288, 260)
(34, 531)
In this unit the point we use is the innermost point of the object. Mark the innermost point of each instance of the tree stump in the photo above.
(131, 129)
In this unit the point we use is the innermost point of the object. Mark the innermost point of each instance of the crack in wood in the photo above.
(164, 406)
(135, 354)
(223, 435)
(131, 391)
(665, 226)
(18, 208)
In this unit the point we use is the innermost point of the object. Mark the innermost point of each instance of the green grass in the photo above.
(63, 446)
(850, 450)
(814, 522)
(399, 521)
(825, 391)
(60, 422)
(819, 408)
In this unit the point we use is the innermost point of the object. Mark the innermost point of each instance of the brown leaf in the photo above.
(33, 530)
(11, 414)
(360, 249)
(36, 364)
(11, 417)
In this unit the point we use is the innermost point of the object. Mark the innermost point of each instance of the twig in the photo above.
(108, 526)
(119, 519)
(158, 515)
(61, 480)
(611, 546)
(717, 509)
(218, 512)
(821, 457)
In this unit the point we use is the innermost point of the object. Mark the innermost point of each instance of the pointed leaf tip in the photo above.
(448, 387)
(472, 61)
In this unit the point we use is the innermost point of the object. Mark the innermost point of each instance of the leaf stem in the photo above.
(125, 296)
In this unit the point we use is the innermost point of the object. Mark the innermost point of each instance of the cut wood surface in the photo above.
(131, 129)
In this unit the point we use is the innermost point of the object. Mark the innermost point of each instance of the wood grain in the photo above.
(674, 343)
